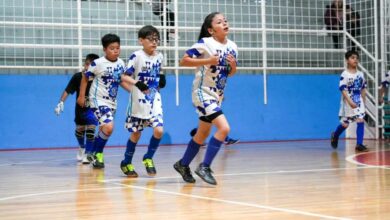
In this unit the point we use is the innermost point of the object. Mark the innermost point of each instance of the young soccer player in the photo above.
(145, 108)
(353, 89)
(85, 127)
(106, 73)
(215, 58)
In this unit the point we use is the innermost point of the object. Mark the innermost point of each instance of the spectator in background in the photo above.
(353, 26)
(158, 9)
(334, 21)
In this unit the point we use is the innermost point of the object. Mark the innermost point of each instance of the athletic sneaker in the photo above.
(206, 174)
(361, 148)
(128, 169)
(334, 141)
(149, 165)
(184, 171)
(80, 154)
(90, 157)
(85, 159)
(229, 141)
(98, 161)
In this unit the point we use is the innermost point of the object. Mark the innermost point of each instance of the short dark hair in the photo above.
(91, 57)
(350, 53)
(148, 30)
(110, 38)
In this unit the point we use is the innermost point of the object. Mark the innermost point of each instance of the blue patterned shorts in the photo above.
(134, 124)
(104, 114)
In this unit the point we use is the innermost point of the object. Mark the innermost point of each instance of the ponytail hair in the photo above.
(204, 31)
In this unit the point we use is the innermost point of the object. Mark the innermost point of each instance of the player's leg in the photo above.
(89, 143)
(182, 166)
(80, 133)
(360, 135)
(105, 116)
(135, 126)
(152, 148)
(214, 145)
(334, 137)
(126, 164)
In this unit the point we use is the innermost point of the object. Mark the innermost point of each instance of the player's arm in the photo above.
(363, 92)
(83, 88)
(381, 94)
(60, 106)
(348, 99)
(194, 62)
(126, 86)
(130, 81)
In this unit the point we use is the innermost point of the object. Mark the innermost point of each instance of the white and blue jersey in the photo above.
(353, 84)
(210, 80)
(147, 69)
(106, 79)
(386, 81)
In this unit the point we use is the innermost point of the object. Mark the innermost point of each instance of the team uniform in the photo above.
(104, 88)
(386, 81)
(353, 83)
(80, 113)
(144, 110)
(210, 80)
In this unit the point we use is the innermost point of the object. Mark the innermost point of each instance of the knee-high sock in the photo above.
(212, 150)
(100, 142)
(89, 143)
(130, 149)
(360, 133)
(153, 145)
(339, 130)
(190, 153)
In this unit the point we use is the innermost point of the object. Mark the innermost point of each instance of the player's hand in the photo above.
(59, 108)
(232, 63)
(142, 86)
(380, 100)
(353, 105)
(214, 60)
(81, 101)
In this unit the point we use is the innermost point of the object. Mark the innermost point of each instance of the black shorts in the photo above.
(82, 117)
(210, 118)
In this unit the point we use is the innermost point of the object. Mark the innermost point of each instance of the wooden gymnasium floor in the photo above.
(274, 180)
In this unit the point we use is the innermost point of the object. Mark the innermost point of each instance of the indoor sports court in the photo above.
(282, 106)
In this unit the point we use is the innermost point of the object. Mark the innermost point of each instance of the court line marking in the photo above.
(244, 174)
(351, 159)
(114, 182)
(56, 192)
(232, 202)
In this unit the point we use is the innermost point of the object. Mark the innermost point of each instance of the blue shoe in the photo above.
(231, 141)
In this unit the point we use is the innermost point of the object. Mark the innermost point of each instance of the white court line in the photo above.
(55, 192)
(233, 202)
(114, 181)
(246, 174)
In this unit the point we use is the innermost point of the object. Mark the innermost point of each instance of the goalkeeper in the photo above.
(85, 127)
